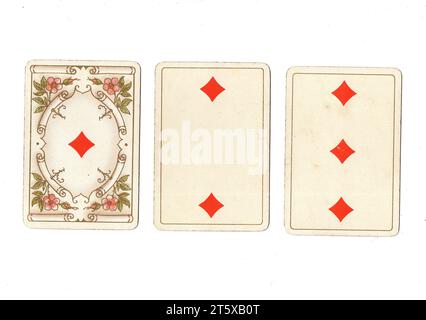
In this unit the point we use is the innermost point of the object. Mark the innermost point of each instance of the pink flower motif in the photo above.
(110, 203)
(50, 202)
(111, 86)
(53, 84)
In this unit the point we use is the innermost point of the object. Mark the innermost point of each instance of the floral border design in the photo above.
(115, 199)
(118, 89)
(45, 88)
(43, 198)
(44, 92)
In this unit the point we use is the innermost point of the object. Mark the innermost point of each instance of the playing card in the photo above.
(212, 146)
(81, 144)
(343, 151)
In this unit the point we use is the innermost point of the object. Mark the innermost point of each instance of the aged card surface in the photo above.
(343, 151)
(212, 146)
(81, 144)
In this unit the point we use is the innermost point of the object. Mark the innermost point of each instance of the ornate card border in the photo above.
(49, 105)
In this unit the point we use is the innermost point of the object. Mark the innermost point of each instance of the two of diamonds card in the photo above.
(81, 144)
(212, 146)
(343, 151)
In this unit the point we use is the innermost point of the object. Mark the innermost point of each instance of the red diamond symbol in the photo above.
(81, 144)
(212, 89)
(211, 205)
(344, 93)
(341, 209)
(342, 151)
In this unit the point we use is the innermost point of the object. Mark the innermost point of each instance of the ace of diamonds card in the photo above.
(212, 146)
(343, 151)
(81, 144)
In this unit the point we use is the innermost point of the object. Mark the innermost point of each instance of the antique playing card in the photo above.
(81, 144)
(343, 151)
(212, 146)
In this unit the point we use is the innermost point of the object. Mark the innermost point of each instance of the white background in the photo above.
(146, 263)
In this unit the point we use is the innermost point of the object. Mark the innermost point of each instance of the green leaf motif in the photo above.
(39, 100)
(43, 82)
(123, 186)
(38, 193)
(125, 94)
(123, 194)
(123, 178)
(38, 86)
(121, 82)
(126, 102)
(34, 201)
(125, 201)
(39, 109)
(94, 206)
(65, 205)
(96, 81)
(124, 110)
(126, 87)
(39, 93)
(37, 177)
(68, 81)
(40, 204)
(120, 206)
(38, 185)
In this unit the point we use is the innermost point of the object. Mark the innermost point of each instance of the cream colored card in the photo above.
(343, 151)
(212, 146)
(81, 162)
